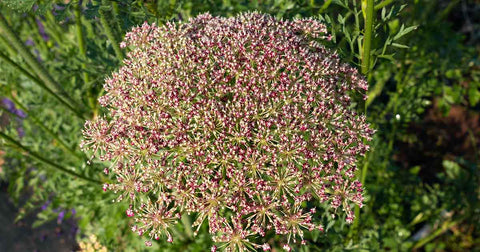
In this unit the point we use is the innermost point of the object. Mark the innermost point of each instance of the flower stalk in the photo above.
(45, 160)
(46, 129)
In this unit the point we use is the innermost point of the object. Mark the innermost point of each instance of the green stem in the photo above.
(47, 130)
(81, 40)
(34, 64)
(187, 224)
(178, 234)
(83, 51)
(6, 46)
(53, 29)
(367, 40)
(109, 32)
(363, 176)
(116, 13)
(445, 226)
(46, 161)
(356, 13)
(38, 39)
(39, 83)
(324, 6)
(364, 170)
(442, 15)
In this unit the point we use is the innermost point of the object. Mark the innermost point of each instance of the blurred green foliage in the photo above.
(425, 57)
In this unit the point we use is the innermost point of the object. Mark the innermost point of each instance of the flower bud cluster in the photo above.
(244, 122)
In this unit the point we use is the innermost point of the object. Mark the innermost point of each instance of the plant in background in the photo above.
(91, 244)
(53, 82)
(244, 121)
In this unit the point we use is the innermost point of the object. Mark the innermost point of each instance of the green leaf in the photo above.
(415, 170)
(63, 12)
(340, 18)
(451, 168)
(393, 25)
(329, 225)
(473, 96)
(338, 2)
(387, 56)
(325, 6)
(403, 31)
(400, 45)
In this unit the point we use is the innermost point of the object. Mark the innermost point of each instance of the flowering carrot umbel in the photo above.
(236, 120)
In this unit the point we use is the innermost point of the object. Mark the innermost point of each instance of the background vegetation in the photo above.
(421, 176)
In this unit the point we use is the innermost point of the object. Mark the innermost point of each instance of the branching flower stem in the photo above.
(45, 160)
(37, 67)
(46, 129)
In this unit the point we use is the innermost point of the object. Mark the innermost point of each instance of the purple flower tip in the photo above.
(44, 206)
(41, 30)
(8, 104)
(61, 215)
(29, 42)
(20, 113)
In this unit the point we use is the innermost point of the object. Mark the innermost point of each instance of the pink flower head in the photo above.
(266, 247)
(238, 120)
(130, 212)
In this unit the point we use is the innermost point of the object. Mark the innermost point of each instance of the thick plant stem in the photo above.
(109, 32)
(363, 176)
(39, 83)
(367, 43)
(367, 40)
(44, 160)
(39, 70)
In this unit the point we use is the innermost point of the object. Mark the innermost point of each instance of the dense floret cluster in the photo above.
(238, 121)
